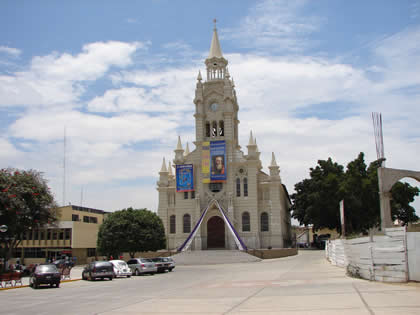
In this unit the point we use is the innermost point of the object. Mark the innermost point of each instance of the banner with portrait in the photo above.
(218, 169)
(184, 177)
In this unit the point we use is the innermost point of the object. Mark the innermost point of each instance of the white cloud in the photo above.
(14, 52)
(274, 24)
(58, 78)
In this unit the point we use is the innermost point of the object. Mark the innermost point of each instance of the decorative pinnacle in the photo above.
(199, 78)
(187, 150)
(273, 160)
(163, 169)
(214, 21)
(179, 145)
(170, 168)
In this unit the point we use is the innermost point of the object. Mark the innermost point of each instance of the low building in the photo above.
(74, 235)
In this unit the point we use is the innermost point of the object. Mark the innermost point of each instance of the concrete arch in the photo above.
(387, 177)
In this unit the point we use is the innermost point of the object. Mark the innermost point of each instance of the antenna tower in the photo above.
(64, 167)
(379, 138)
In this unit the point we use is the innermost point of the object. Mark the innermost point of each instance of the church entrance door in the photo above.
(215, 232)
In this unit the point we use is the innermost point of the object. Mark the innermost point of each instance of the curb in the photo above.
(27, 285)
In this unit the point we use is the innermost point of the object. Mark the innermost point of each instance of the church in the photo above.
(216, 196)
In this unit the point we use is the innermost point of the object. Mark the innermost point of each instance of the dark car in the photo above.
(45, 274)
(164, 263)
(98, 270)
(61, 263)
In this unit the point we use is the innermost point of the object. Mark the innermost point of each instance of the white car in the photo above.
(121, 268)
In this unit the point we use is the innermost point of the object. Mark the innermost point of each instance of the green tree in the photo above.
(131, 231)
(25, 203)
(316, 200)
(402, 195)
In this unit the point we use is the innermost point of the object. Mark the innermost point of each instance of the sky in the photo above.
(118, 78)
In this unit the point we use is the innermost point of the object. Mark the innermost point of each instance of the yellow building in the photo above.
(74, 235)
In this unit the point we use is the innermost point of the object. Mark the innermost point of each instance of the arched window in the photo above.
(214, 129)
(172, 224)
(246, 222)
(264, 222)
(246, 187)
(238, 187)
(207, 129)
(221, 128)
(187, 223)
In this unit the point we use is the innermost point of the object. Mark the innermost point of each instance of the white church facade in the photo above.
(217, 196)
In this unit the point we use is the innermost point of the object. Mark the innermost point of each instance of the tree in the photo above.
(132, 231)
(402, 195)
(25, 203)
(316, 199)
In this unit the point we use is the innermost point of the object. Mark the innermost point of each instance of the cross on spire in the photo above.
(214, 21)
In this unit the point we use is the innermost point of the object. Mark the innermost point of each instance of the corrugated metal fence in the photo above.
(380, 257)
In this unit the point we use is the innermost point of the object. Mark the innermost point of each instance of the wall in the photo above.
(380, 257)
(272, 253)
(413, 253)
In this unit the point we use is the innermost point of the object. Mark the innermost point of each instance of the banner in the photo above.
(205, 162)
(218, 169)
(184, 178)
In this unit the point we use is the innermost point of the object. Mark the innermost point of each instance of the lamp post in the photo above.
(3, 229)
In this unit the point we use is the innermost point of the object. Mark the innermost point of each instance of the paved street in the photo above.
(303, 284)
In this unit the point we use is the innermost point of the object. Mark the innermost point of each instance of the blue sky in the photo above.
(121, 75)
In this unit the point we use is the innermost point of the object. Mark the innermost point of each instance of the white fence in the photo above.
(381, 257)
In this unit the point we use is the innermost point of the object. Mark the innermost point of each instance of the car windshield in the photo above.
(146, 260)
(102, 264)
(46, 268)
(122, 264)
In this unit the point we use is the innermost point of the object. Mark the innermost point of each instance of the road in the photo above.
(302, 284)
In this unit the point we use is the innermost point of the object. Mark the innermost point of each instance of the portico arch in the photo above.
(387, 177)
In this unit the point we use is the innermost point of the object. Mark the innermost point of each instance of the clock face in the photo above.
(214, 107)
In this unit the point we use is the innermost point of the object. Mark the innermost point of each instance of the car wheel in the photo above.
(57, 285)
(137, 272)
(128, 276)
(84, 276)
(110, 278)
(170, 269)
(35, 285)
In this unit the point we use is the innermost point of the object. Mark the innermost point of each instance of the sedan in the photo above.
(121, 268)
(45, 274)
(141, 266)
(98, 270)
(164, 263)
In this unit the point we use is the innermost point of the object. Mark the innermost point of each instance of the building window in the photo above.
(264, 222)
(42, 235)
(36, 235)
(246, 222)
(61, 235)
(67, 234)
(172, 224)
(54, 236)
(238, 187)
(48, 234)
(75, 217)
(207, 129)
(246, 187)
(221, 128)
(185, 194)
(214, 129)
(93, 219)
(193, 194)
(85, 219)
(215, 187)
(91, 252)
(187, 223)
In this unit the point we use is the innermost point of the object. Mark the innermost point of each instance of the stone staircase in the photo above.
(212, 257)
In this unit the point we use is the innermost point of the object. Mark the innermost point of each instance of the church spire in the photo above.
(163, 169)
(215, 50)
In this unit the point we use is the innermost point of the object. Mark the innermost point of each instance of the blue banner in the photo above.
(218, 169)
(184, 177)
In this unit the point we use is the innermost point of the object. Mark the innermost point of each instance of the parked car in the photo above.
(164, 263)
(141, 266)
(98, 269)
(121, 268)
(60, 263)
(45, 274)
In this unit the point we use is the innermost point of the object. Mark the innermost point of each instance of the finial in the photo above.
(273, 160)
(163, 169)
(251, 139)
(187, 150)
(179, 145)
(233, 83)
(170, 168)
(214, 21)
(199, 78)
